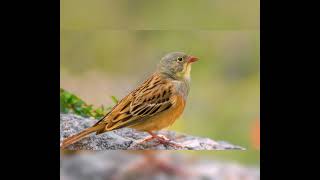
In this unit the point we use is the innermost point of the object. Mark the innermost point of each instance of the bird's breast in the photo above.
(182, 88)
(164, 119)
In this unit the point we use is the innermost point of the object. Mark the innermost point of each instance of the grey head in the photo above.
(177, 65)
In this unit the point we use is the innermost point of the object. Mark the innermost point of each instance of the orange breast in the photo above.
(163, 119)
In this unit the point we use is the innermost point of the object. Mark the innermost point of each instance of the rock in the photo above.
(130, 139)
(123, 165)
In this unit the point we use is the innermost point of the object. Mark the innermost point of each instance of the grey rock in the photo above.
(122, 165)
(130, 139)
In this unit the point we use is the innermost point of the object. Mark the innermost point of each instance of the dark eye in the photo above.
(179, 58)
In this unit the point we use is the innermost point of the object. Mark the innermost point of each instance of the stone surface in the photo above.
(127, 165)
(130, 139)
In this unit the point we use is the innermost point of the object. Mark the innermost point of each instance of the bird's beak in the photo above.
(192, 59)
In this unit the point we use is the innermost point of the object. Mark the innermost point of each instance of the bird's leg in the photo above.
(154, 136)
(163, 140)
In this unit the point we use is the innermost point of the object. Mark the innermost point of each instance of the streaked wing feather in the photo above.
(154, 96)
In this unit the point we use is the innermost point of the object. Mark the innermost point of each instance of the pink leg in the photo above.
(163, 140)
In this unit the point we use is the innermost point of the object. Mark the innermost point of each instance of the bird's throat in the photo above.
(186, 73)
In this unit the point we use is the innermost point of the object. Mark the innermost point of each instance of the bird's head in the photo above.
(177, 65)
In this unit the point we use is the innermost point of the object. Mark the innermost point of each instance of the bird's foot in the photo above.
(163, 140)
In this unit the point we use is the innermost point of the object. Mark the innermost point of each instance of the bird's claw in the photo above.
(161, 140)
(167, 142)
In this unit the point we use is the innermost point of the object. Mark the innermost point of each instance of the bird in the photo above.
(154, 105)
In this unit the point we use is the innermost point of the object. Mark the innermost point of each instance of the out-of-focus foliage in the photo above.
(108, 47)
(159, 15)
(70, 103)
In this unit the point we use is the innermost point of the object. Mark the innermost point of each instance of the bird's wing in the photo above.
(154, 96)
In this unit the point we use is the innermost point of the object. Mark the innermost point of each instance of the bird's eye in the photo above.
(179, 58)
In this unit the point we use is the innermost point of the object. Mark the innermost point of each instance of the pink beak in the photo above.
(192, 59)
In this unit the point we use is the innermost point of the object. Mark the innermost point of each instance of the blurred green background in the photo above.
(109, 47)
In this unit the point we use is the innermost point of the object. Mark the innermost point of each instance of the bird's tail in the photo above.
(77, 137)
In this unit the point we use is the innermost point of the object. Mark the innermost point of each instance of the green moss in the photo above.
(70, 103)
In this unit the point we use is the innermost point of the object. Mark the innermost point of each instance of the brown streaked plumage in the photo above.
(154, 105)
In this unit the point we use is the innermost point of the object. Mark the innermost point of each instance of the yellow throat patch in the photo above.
(186, 72)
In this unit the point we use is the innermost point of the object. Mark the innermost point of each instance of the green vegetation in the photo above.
(70, 103)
